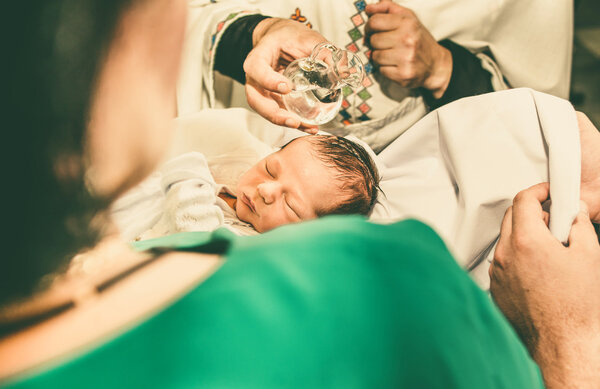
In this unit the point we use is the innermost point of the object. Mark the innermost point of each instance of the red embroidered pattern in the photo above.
(297, 16)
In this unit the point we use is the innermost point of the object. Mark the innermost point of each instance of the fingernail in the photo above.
(283, 88)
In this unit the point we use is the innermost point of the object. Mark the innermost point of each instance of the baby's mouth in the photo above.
(246, 200)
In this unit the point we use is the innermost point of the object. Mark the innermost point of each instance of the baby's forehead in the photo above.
(311, 143)
(304, 147)
(301, 149)
(302, 139)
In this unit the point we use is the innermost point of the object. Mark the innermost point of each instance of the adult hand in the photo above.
(590, 165)
(405, 50)
(551, 293)
(277, 42)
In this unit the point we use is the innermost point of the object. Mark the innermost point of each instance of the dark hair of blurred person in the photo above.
(53, 53)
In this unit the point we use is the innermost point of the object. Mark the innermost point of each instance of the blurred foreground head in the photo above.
(91, 87)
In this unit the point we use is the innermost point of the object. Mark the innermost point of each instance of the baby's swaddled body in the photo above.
(181, 196)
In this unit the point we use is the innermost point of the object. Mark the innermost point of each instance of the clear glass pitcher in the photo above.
(316, 96)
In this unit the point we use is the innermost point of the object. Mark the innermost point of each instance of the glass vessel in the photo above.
(316, 96)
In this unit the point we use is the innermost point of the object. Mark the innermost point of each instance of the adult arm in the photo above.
(235, 46)
(551, 293)
(255, 50)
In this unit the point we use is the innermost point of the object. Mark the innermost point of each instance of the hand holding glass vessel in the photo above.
(317, 80)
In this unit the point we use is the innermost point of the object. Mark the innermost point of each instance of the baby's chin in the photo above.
(236, 208)
(240, 215)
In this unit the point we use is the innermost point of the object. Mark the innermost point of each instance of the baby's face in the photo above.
(286, 187)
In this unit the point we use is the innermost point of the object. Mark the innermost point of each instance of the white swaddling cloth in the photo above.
(181, 196)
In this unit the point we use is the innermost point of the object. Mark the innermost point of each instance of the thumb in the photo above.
(258, 68)
(582, 232)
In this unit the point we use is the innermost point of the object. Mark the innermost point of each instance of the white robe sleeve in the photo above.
(206, 23)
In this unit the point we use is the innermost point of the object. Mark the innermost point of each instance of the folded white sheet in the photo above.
(459, 168)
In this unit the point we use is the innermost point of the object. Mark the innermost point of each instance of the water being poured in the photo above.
(318, 80)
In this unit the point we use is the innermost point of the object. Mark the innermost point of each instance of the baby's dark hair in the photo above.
(355, 170)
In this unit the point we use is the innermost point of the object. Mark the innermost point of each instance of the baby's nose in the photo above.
(269, 191)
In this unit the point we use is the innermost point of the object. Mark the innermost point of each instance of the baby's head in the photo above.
(311, 176)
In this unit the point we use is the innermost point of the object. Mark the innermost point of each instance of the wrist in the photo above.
(261, 29)
(439, 79)
(569, 361)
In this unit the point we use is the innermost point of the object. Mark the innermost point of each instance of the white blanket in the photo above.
(459, 168)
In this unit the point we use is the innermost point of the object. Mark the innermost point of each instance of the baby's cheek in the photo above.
(242, 212)
(273, 219)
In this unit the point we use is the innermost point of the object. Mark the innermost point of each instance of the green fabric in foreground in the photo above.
(337, 302)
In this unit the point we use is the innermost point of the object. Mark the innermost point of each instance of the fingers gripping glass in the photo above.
(316, 96)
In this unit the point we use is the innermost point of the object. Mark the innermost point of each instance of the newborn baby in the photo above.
(311, 176)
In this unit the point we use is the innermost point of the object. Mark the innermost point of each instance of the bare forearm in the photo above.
(569, 363)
